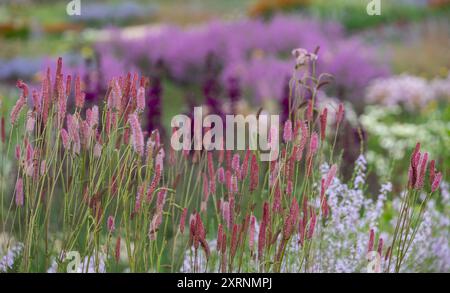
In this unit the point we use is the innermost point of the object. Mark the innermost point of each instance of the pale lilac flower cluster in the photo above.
(411, 92)
(342, 243)
(8, 260)
(245, 50)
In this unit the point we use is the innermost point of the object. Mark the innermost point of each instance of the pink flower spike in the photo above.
(371, 240)
(251, 240)
(18, 152)
(36, 101)
(432, 171)
(313, 145)
(235, 164)
(97, 150)
(421, 171)
(65, 139)
(287, 132)
(111, 224)
(312, 225)
(17, 108)
(79, 95)
(140, 100)
(19, 192)
(323, 123)
(137, 136)
(436, 182)
(221, 175)
(183, 220)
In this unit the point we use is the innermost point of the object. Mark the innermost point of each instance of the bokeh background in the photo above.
(391, 71)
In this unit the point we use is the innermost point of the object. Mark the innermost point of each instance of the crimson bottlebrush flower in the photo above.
(330, 175)
(312, 225)
(211, 172)
(30, 121)
(323, 123)
(23, 86)
(36, 101)
(114, 96)
(111, 224)
(154, 183)
(273, 173)
(219, 237)
(161, 200)
(313, 144)
(226, 213)
(79, 95)
(137, 136)
(228, 180)
(17, 108)
(388, 253)
(65, 139)
(340, 113)
(19, 192)
(221, 175)
(301, 231)
(18, 152)
(231, 203)
(254, 175)
(140, 99)
(192, 228)
(380, 246)
(412, 172)
(85, 134)
(68, 85)
(432, 171)
(324, 205)
(117, 252)
(183, 220)
(139, 194)
(97, 150)
(73, 128)
(212, 186)
(92, 117)
(46, 96)
(235, 164)
(234, 184)
(157, 217)
(244, 167)
(2, 130)
(262, 230)
(371, 240)
(251, 237)
(277, 198)
(234, 241)
(291, 219)
(421, 171)
(228, 159)
(436, 181)
(289, 187)
(159, 159)
(300, 146)
(287, 131)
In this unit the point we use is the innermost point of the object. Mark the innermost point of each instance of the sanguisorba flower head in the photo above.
(20, 102)
(19, 192)
(137, 137)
